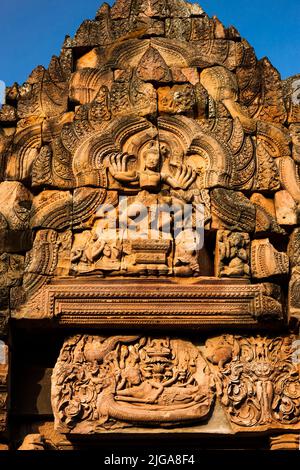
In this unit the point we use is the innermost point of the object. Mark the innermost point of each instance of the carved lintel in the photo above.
(128, 303)
(129, 380)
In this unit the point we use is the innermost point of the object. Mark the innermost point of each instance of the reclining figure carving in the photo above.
(103, 383)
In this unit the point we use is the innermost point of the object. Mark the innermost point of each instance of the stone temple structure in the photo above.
(150, 240)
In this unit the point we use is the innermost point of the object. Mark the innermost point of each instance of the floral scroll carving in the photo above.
(257, 380)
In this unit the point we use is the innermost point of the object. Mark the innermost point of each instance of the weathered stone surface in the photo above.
(15, 204)
(26, 145)
(176, 100)
(49, 256)
(294, 248)
(286, 208)
(100, 302)
(266, 220)
(15, 241)
(288, 171)
(266, 261)
(8, 114)
(285, 442)
(32, 442)
(232, 211)
(4, 319)
(87, 203)
(52, 166)
(45, 92)
(295, 135)
(188, 74)
(52, 209)
(232, 256)
(294, 296)
(292, 99)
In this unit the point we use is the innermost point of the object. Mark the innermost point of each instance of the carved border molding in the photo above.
(141, 303)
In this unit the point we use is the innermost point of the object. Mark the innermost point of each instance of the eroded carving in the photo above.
(15, 204)
(156, 102)
(52, 209)
(266, 261)
(232, 258)
(232, 211)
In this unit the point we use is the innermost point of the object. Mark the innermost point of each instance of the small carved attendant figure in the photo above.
(186, 255)
(139, 392)
(150, 177)
(233, 254)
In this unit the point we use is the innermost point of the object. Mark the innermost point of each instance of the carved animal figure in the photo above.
(97, 349)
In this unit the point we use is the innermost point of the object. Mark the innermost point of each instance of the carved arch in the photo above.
(129, 53)
(126, 134)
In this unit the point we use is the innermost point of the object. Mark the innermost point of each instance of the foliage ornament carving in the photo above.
(257, 380)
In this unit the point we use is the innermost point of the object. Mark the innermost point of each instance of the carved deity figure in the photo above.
(149, 176)
(233, 254)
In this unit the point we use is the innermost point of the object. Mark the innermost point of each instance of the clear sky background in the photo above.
(31, 31)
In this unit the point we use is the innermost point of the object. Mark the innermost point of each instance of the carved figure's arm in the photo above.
(118, 168)
(184, 177)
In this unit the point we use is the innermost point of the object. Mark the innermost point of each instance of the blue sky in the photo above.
(33, 30)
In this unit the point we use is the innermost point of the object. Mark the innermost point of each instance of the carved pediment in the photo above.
(150, 187)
